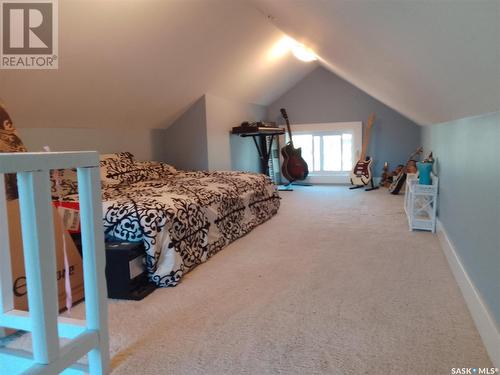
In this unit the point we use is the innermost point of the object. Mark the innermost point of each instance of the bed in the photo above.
(182, 218)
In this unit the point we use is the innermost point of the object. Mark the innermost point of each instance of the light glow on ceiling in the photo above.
(287, 44)
(303, 53)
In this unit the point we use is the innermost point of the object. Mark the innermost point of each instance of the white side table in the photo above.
(420, 203)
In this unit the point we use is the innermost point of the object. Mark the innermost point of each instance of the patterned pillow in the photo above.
(122, 169)
(116, 168)
(154, 170)
(63, 182)
(9, 142)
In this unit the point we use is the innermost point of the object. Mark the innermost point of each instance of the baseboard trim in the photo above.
(485, 324)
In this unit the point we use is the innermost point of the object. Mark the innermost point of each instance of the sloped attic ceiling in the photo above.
(433, 61)
(140, 64)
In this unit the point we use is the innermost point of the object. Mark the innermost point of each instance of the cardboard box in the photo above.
(17, 260)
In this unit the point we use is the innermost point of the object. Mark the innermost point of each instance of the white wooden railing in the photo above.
(86, 336)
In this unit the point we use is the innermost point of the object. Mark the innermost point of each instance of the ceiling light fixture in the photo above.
(303, 53)
(286, 45)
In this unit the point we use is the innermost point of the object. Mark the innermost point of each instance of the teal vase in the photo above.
(424, 173)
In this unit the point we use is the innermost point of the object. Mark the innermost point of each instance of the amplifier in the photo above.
(126, 271)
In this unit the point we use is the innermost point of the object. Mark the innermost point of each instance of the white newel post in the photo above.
(94, 262)
(6, 292)
(86, 337)
(37, 226)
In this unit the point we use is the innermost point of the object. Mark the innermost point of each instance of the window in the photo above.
(326, 153)
(329, 149)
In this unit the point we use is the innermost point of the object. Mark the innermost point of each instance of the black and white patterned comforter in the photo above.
(184, 219)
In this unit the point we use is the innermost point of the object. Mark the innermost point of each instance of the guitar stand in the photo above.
(372, 186)
(288, 187)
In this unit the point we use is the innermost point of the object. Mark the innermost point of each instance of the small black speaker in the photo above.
(126, 273)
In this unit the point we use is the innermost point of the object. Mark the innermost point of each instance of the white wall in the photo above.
(201, 139)
(226, 151)
(185, 141)
(142, 143)
(466, 153)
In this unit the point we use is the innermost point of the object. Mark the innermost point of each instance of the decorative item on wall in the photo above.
(9, 142)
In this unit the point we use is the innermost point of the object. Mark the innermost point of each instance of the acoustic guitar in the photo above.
(294, 168)
(361, 174)
(400, 179)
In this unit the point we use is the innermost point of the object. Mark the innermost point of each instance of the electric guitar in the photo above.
(294, 167)
(362, 172)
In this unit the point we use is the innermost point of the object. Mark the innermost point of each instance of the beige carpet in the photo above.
(334, 284)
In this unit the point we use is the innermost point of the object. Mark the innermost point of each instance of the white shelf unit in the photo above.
(421, 203)
(90, 336)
